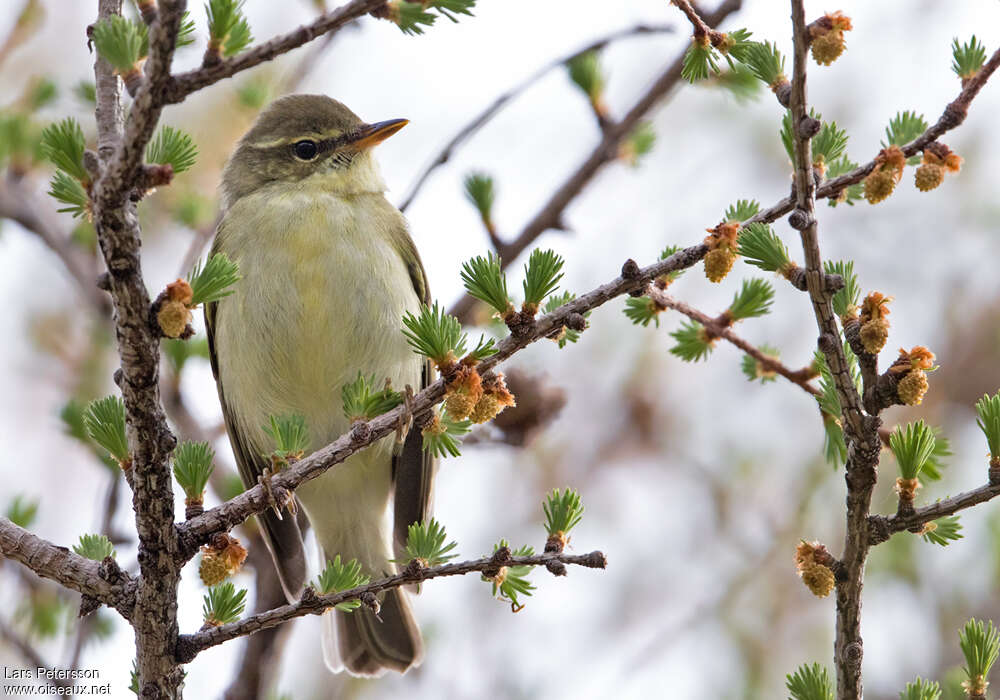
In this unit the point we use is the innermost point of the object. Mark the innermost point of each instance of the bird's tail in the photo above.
(354, 527)
(365, 645)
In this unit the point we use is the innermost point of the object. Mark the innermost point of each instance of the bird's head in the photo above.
(301, 139)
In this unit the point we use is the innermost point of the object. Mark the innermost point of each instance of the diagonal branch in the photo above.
(27, 651)
(21, 204)
(189, 646)
(802, 377)
(67, 568)
(883, 526)
(484, 117)
(196, 531)
(952, 116)
(180, 86)
(550, 215)
(701, 29)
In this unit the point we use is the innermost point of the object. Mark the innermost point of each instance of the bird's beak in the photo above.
(371, 134)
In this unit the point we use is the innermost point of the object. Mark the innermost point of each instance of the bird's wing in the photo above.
(413, 468)
(282, 536)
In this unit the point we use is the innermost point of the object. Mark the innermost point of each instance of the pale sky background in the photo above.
(626, 631)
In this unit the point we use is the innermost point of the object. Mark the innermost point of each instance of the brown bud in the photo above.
(221, 558)
(133, 80)
(180, 290)
(827, 37)
(234, 555)
(874, 306)
(723, 235)
(805, 553)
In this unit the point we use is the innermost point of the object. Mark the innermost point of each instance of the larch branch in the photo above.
(67, 568)
(882, 526)
(180, 86)
(188, 646)
(196, 531)
(860, 430)
(801, 377)
(952, 116)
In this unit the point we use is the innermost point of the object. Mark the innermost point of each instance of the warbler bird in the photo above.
(328, 270)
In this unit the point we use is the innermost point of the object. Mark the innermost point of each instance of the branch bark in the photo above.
(179, 87)
(68, 568)
(150, 440)
(189, 646)
(882, 526)
(861, 431)
(801, 377)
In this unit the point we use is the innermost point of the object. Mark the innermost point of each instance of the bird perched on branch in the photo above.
(328, 270)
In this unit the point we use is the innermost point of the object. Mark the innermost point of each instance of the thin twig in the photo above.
(484, 117)
(85, 626)
(882, 526)
(801, 377)
(701, 29)
(305, 66)
(262, 654)
(202, 236)
(188, 646)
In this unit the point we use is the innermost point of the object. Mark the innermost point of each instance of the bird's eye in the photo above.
(305, 150)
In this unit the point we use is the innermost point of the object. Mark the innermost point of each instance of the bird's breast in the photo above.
(323, 291)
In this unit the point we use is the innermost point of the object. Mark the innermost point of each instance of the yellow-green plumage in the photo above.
(328, 269)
